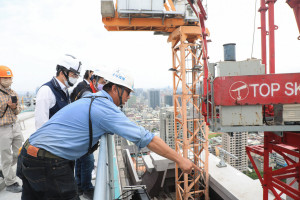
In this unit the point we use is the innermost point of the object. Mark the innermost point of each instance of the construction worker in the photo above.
(11, 137)
(54, 95)
(83, 84)
(96, 84)
(85, 164)
(47, 157)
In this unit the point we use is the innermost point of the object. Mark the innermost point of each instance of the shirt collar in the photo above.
(5, 89)
(104, 94)
(101, 93)
(62, 86)
(86, 81)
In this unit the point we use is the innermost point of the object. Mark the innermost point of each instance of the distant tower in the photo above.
(235, 143)
(154, 97)
(169, 100)
(166, 117)
(167, 132)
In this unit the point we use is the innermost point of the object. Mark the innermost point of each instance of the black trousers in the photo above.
(46, 178)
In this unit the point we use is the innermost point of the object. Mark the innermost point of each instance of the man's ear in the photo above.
(114, 89)
(61, 74)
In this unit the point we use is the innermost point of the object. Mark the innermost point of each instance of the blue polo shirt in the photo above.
(66, 134)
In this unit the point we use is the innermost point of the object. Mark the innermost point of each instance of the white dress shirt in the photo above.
(45, 99)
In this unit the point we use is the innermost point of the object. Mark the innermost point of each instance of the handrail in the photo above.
(107, 185)
(102, 183)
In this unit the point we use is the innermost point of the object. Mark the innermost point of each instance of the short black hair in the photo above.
(87, 73)
(107, 87)
(59, 69)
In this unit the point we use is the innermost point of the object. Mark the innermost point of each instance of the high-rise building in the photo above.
(167, 128)
(154, 98)
(131, 103)
(169, 100)
(235, 143)
(166, 117)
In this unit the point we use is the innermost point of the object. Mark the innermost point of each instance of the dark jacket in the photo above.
(83, 84)
(62, 99)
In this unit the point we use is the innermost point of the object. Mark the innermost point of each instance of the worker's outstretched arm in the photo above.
(158, 146)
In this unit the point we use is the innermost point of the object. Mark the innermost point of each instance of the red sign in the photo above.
(257, 89)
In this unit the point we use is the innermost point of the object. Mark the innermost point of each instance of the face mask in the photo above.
(100, 87)
(6, 83)
(73, 80)
(69, 83)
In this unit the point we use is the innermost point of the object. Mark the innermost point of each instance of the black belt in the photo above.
(39, 152)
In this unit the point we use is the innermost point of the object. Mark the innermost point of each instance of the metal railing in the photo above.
(107, 185)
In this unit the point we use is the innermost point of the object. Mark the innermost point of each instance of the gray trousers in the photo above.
(11, 140)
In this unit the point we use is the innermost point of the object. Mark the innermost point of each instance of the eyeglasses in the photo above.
(72, 74)
(127, 90)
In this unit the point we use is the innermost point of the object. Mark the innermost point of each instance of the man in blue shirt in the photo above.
(85, 164)
(46, 162)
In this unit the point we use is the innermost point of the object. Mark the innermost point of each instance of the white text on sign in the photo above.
(266, 89)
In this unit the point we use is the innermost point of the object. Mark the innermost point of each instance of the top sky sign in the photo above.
(257, 89)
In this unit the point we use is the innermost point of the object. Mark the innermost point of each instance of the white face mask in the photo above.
(73, 80)
(6, 83)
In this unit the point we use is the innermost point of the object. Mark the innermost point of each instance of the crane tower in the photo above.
(187, 35)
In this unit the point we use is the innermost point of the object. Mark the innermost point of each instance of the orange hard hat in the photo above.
(5, 71)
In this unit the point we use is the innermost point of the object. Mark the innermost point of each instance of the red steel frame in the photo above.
(202, 16)
(295, 5)
(288, 144)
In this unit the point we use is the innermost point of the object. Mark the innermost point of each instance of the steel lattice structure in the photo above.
(286, 144)
(191, 136)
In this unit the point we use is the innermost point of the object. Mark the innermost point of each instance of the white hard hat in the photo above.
(121, 77)
(100, 72)
(70, 63)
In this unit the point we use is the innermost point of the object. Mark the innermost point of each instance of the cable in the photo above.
(128, 196)
(253, 29)
(124, 194)
(264, 117)
(132, 190)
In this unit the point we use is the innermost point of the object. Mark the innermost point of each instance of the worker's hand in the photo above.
(11, 104)
(187, 166)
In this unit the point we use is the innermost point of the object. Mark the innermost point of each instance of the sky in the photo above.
(35, 34)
